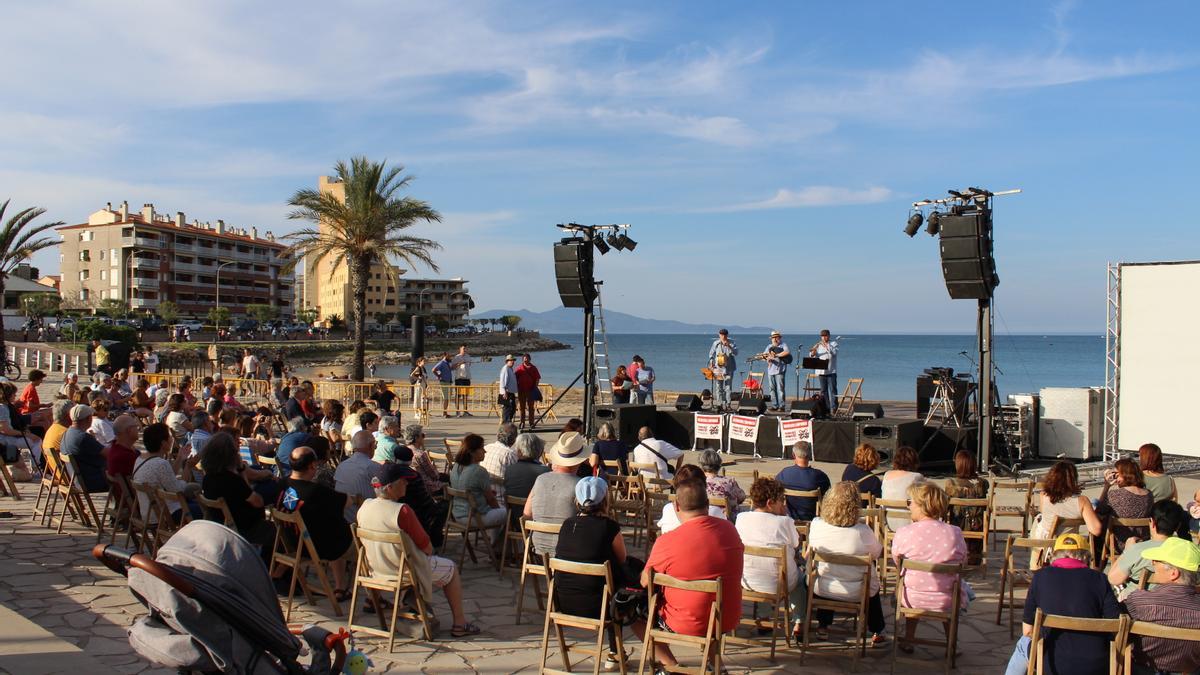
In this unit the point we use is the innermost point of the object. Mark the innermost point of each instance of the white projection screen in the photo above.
(1160, 357)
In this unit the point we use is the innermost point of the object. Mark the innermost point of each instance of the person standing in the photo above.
(151, 360)
(631, 372)
(277, 366)
(445, 375)
(101, 356)
(722, 359)
(645, 383)
(508, 390)
(827, 349)
(778, 357)
(249, 365)
(462, 379)
(528, 393)
(417, 378)
(621, 385)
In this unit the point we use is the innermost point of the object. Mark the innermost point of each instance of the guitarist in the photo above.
(722, 358)
(778, 357)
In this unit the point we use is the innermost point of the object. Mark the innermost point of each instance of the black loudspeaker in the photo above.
(966, 249)
(690, 402)
(889, 433)
(573, 272)
(866, 411)
(751, 405)
(627, 419)
(808, 408)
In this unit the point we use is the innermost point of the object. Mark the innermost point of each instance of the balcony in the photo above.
(189, 267)
(142, 242)
(145, 263)
(145, 282)
(143, 302)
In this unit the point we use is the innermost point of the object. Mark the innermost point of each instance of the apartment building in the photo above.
(326, 286)
(145, 258)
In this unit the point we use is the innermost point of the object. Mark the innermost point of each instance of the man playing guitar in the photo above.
(778, 358)
(722, 358)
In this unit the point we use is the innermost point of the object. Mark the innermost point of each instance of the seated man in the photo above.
(387, 514)
(89, 454)
(355, 474)
(801, 476)
(501, 454)
(323, 511)
(552, 499)
(702, 547)
(1167, 519)
(520, 476)
(1172, 602)
(650, 450)
(1067, 587)
(296, 436)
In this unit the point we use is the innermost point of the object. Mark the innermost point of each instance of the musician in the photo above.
(722, 358)
(778, 357)
(827, 349)
(461, 363)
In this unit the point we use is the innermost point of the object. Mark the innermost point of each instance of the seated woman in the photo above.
(139, 401)
(928, 539)
(152, 468)
(838, 530)
(1125, 496)
(1157, 481)
(1061, 500)
(387, 513)
(230, 397)
(770, 525)
(896, 481)
(670, 518)
(718, 485)
(591, 537)
(14, 438)
(866, 458)
(30, 404)
(226, 476)
(101, 428)
(608, 449)
(470, 476)
(966, 484)
(70, 388)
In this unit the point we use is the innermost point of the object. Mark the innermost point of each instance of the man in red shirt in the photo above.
(527, 381)
(701, 548)
(121, 454)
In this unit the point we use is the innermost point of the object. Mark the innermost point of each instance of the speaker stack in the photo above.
(889, 433)
(627, 419)
(966, 250)
(573, 272)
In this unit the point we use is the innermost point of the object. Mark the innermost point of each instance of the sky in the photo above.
(765, 154)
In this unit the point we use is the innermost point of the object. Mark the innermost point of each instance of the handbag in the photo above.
(535, 394)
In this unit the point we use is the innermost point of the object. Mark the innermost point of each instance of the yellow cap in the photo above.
(1070, 542)
(1175, 552)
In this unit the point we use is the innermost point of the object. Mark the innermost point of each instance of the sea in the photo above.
(888, 364)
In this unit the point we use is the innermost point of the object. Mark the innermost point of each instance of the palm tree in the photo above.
(368, 227)
(18, 241)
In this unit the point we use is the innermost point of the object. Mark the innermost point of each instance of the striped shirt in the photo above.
(1176, 605)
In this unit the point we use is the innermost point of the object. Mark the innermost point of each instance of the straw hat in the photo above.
(568, 450)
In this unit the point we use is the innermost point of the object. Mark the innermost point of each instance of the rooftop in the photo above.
(148, 217)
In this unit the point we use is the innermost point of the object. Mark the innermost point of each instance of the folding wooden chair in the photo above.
(802, 530)
(533, 564)
(147, 521)
(857, 608)
(850, 397)
(723, 504)
(1139, 629)
(628, 503)
(868, 499)
(1064, 525)
(47, 485)
(650, 467)
(465, 528)
(779, 610)
(75, 495)
(436, 456)
(980, 535)
(394, 584)
(948, 619)
(559, 620)
(118, 504)
(655, 502)
(738, 473)
(657, 484)
(8, 486)
(1013, 575)
(168, 501)
(514, 538)
(1022, 512)
(711, 644)
(890, 508)
(217, 510)
(810, 494)
(294, 548)
(1110, 541)
(1042, 621)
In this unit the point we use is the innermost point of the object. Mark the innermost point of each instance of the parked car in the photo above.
(297, 327)
(65, 323)
(245, 326)
(149, 323)
(192, 325)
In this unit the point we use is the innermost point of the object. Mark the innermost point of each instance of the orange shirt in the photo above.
(700, 549)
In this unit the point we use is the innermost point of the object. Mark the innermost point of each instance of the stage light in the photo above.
(600, 245)
(628, 243)
(914, 224)
(933, 224)
(615, 241)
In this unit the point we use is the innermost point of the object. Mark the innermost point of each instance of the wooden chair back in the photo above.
(294, 548)
(533, 564)
(1042, 621)
(1023, 511)
(778, 616)
(1140, 629)
(557, 619)
(984, 504)
(648, 469)
(711, 644)
(1014, 574)
(216, 509)
(1110, 540)
(806, 494)
(903, 613)
(814, 559)
(394, 584)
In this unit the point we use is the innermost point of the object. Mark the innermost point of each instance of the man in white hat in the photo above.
(778, 357)
(552, 499)
(88, 452)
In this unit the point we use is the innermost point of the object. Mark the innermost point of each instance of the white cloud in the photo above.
(812, 195)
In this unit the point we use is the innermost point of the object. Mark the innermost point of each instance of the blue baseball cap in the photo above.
(591, 490)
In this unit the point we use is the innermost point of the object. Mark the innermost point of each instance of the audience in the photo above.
(14, 433)
(1061, 500)
(1167, 519)
(861, 471)
(414, 435)
(469, 476)
(121, 455)
(296, 436)
(801, 476)
(519, 477)
(1157, 481)
(896, 481)
(1172, 602)
(966, 484)
(1124, 495)
(388, 513)
(927, 538)
(355, 474)
(552, 498)
(60, 413)
(387, 439)
(651, 450)
(770, 525)
(500, 454)
(323, 511)
(226, 476)
(669, 520)
(153, 469)
(838, 530)
(89, 454)
(718, 485)
(701, 548)
(608, 449)
(1067, 587)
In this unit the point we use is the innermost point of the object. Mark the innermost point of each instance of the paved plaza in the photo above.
(64, 612)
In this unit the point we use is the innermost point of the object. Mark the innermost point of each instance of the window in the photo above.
(85, 256)
(102, 254)
(103, 295)
(83, 275)
(103, 273)
(87, 235)
(112, 253)
(84, 294)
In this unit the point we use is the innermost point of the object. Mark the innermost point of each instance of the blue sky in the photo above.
(765, 153)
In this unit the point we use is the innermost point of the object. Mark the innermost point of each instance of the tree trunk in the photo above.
(3, 344)
(360, 272)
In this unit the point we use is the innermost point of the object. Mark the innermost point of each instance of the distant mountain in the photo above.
(564, 320)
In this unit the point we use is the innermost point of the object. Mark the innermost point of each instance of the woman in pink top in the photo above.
(928, 539)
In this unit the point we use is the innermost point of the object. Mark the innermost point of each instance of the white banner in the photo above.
(794, 431)
(709, 427)
(745, 429)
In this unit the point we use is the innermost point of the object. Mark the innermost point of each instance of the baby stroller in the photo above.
(213, 608)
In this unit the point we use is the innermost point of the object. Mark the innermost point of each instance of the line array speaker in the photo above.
(573, 272)
(966, 251)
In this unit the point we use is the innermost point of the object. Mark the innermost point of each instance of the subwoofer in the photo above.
(866, 411)
(750, 405)
(690, 402)
(808, 408)
(889, 433)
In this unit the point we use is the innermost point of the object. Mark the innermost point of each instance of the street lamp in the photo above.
(420, 302)
(217, 316)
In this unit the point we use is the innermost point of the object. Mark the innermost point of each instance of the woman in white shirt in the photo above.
(670, 518)
(770, 525)
(896, 482)
(101, 428)
(154, 469)
(838, 530)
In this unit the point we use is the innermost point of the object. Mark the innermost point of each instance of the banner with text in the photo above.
(710, 427)
(792, 432)
(744, 429)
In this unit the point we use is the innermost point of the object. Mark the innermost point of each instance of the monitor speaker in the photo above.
(573, 273)
(866, 411)
(688, 402)
(966, 252)
(751, 405)
(808, 408)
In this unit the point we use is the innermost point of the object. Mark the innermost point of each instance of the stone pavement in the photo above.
(75, 610)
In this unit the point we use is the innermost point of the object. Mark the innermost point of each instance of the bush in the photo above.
(98, 329)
